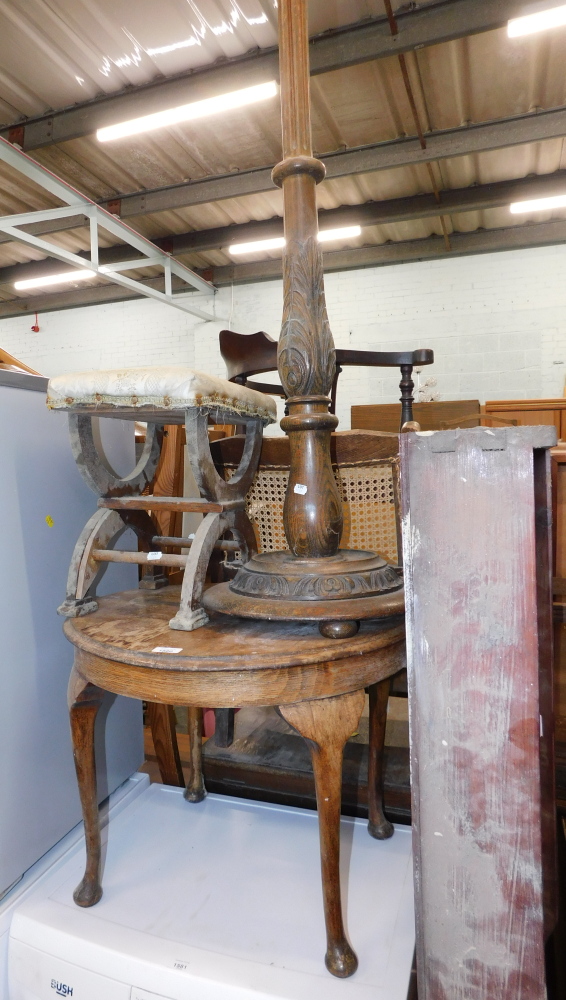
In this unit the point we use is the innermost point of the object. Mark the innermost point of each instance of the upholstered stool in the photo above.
(171, 394)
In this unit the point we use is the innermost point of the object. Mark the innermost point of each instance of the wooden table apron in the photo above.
(228, 662)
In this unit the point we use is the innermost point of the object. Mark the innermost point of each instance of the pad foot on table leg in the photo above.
(87, 893)
(327, 723)
(341, 960)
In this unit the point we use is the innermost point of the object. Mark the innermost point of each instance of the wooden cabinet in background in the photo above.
(531, 411)
(386, 416)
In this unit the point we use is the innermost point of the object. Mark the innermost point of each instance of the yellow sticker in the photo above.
(49, 520)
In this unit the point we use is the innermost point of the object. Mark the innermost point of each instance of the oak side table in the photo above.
(127, 647)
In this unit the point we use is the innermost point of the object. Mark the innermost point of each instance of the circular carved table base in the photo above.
(336, 591)
(317, 683)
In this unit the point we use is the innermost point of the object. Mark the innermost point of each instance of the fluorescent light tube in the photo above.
(54, 279)
(538, 204)
(531, 23)
(279, 241)
(258, 245)
(188, 112)
(339, 234)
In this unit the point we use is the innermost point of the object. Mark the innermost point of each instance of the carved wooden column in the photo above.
(306, 357)
(316, 579)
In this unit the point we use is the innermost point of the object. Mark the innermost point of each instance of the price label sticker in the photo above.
(154, 556)
(299, 488)
(167, 649)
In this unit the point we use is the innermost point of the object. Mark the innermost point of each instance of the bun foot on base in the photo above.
(338, 630)
(381, 831)
(341, 960)
(87, 893)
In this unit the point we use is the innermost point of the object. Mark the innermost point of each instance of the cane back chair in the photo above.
(246, 355)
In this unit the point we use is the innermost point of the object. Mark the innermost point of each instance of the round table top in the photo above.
(132, 627)
(127, 647)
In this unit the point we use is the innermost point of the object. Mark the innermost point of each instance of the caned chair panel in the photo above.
(366, 471)
(368, 503)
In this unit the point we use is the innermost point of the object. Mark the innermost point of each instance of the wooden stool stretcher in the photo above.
(127, 647)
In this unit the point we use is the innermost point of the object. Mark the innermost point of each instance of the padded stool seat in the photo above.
(165, 391)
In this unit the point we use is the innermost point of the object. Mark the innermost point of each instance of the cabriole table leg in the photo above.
(195, 790)
(326, 724)
(378, 826)
(84, 701)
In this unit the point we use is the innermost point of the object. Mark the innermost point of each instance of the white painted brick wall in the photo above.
(497, 325)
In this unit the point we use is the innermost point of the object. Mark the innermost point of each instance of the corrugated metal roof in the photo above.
(54, 53)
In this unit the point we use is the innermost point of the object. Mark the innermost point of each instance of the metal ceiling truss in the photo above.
(464, 141)
(452, 202)
(433, 24)
(77, 205)
(407, 251)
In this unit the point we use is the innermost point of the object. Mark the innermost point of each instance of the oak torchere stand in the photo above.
(128, 648)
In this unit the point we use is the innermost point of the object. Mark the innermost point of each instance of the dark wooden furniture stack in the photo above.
(277, 658)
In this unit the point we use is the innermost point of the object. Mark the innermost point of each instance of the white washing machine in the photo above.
(216, 901)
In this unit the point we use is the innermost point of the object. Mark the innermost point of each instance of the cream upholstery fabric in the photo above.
(165, 387)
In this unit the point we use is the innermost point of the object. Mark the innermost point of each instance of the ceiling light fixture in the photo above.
(54, 279)
(541, 21)
(279, 241)
(538, 204)
(187, 112)
(239, 248)
(339, 234)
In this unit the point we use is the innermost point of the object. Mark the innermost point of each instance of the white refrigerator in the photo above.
(44, 504)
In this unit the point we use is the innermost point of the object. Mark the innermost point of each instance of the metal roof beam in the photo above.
(463, 141)
(471, 199)
(409, 251)
(433, 24)
(468, 139)
(519, 130)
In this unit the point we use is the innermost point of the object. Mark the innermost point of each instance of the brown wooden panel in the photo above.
(559, 510)
(476, 632)
(532, 411)
(530, 417)
(386, 416)
(560, 667)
